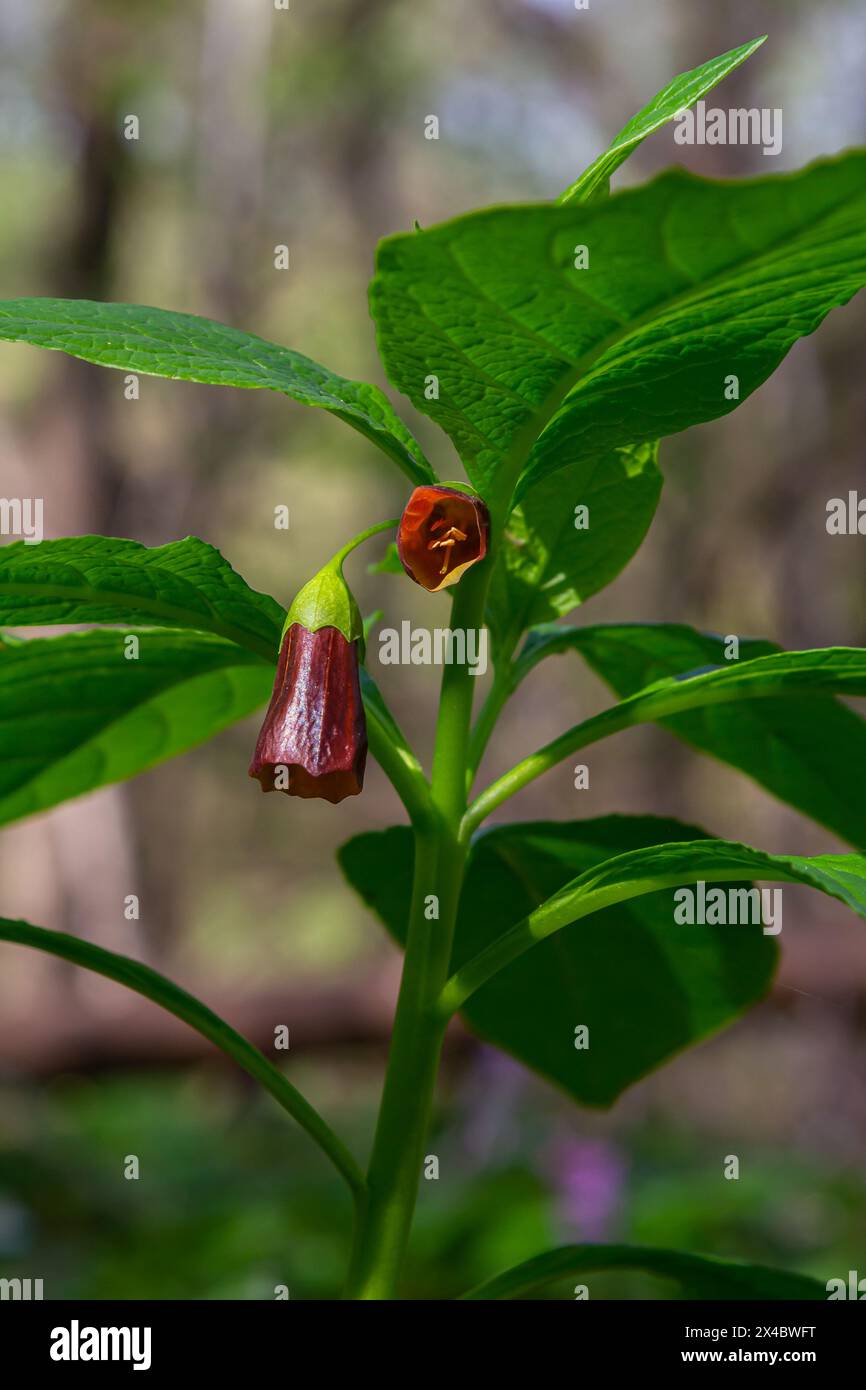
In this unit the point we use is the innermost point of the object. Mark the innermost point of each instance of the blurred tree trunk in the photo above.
(84, 480)
(234, 256)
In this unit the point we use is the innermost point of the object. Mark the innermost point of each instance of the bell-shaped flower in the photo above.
(313, 742)
(441, 533)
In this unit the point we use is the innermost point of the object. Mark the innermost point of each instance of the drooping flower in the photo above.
(313, 742)
(441, 533)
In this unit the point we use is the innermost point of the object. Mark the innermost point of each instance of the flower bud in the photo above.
(313, 742)
(442, 532)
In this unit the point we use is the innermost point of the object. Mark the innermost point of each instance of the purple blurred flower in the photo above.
(588, 1177)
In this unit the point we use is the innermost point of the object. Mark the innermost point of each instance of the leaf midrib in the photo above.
(533, 428)
(143, 338)
(84, 593)
(696, 290)
(359, 414)
(91, 739)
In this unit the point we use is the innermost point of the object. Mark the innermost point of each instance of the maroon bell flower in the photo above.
(442, 531)
(313, 742)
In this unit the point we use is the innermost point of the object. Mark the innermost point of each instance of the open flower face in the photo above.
(442, 532)
(313, 742)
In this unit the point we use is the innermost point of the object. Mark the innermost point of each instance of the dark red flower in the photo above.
(313, 742)
(442, 532)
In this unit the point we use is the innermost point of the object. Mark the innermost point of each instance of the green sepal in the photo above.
(327, 601)
(462, 487)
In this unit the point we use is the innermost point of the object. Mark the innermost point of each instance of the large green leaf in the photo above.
(169, 996)
(96, 579)
(699, 1276)
(161, 342)
(677, 96)
(689, 282)
(544, 569)
(639, 872)
(632, 656)
(800, 747)
(75, 714)
(644, 986)
(546, 565)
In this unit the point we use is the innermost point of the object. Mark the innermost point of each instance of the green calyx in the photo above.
(327, 601)
(461, 487)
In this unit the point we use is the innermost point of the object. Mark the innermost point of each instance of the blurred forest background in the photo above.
(306, 127)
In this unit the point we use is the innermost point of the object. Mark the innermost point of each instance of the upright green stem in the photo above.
(386, 1213)
(498, 695)
(451, 754)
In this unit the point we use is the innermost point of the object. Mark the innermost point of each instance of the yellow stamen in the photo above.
(451, 537)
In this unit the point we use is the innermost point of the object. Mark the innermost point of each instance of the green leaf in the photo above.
(546, 566)
(689, 282)
(389, 563)
(186, 1007)
(644, 871)
(371, 621)
(75, 714)
(644, 986)
(161, 342)
(95, 579)
(631, 656)
(677, 96)
(800, 747)
(699, 1276)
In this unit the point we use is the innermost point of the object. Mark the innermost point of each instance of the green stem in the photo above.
(498, 695)
(363, 536)
(397, 760)
(385, 1217)
(563, 910)
(524, 772)
(451, 753)
(766, 677)
(185, 1006)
